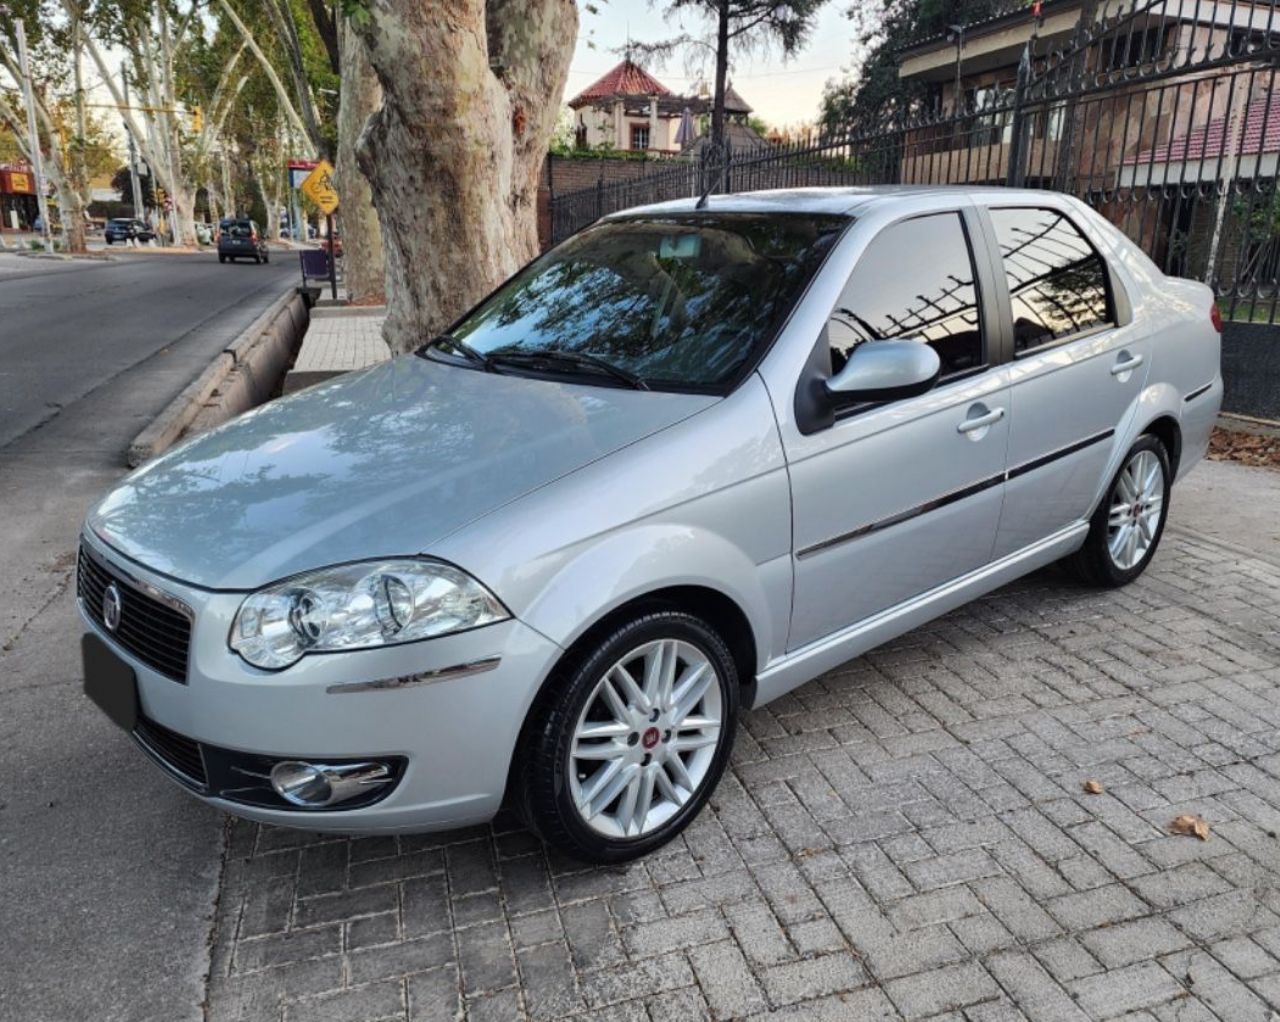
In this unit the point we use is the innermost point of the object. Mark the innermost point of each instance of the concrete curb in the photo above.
(241, 376)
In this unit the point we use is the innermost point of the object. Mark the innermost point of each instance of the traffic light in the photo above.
(197, 120)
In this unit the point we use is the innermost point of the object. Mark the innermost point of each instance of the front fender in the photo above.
(610, 571)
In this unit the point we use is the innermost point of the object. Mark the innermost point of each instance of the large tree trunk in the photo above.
(470, 96)
(363, 262)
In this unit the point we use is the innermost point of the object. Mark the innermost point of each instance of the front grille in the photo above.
(155, 633)
(175, 751)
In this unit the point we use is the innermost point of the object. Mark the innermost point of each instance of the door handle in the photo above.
(981, 421)
(1127, 366)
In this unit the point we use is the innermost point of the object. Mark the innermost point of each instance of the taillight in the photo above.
(1215, 317)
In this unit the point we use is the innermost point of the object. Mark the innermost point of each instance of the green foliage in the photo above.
(357, 11)
(883, 28)
(1261, 216)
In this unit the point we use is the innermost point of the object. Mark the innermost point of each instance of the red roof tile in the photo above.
(1259, 134)
(627, 79)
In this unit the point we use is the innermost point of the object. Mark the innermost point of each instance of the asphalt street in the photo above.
(109, 875)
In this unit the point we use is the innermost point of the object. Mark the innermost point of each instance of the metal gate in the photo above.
(1162, 114)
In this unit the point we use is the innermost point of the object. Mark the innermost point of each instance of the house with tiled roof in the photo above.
(628, 109)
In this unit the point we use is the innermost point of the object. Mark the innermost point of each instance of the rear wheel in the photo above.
(266, 257)
(221, 258)
(628, 746)
(1126, 529)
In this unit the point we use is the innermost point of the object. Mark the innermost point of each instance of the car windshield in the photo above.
(680, 300)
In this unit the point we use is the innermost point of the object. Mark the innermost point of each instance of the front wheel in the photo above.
(630, 743)
(221, 258)
(1126, 529)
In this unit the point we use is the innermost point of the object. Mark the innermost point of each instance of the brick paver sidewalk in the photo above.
(905, 837)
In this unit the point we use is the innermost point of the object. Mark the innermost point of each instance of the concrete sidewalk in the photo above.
(339, 340)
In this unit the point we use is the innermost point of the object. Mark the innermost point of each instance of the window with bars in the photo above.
(639, 136)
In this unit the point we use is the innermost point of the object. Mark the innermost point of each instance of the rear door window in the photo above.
(1057, 280)
(916, 279)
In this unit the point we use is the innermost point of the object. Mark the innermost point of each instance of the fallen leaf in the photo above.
(1188, 824)
(1093, 787)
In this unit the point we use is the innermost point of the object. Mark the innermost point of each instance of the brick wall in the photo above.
(564, 174)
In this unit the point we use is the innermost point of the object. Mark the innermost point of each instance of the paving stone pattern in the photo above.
(342, 343)
(906, 837)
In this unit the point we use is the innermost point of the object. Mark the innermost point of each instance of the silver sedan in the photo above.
(679, 465)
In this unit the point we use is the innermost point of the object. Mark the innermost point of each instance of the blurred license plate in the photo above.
(109, 682)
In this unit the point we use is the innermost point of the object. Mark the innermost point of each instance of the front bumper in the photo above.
(454, 726)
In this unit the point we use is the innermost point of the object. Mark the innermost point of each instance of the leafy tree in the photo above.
(882, 29)
(122, 182)
(740, 26)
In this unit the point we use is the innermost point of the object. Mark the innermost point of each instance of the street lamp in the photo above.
(37, 163)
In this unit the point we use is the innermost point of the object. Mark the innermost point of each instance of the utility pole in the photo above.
(37, 163)
(133, 151)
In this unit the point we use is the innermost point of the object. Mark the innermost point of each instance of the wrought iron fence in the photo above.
(1162, 114)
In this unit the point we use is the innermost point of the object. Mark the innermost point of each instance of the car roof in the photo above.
(847, 200)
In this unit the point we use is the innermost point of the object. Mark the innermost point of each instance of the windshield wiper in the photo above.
(577, 359)
(464, 349)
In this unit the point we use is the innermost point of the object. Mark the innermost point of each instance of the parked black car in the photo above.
(241, 239)
(123, 228)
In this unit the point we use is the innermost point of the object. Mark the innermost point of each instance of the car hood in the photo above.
(378, 463)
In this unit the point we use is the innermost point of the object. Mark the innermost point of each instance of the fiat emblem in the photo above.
(111, 607)
(650, 738)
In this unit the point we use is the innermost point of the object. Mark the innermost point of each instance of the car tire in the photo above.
(1128, 523)
(221, 258)
(108, 240)
(257, 260)
(663, 775)
(266, 257)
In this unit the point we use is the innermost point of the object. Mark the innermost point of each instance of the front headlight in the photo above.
(356, 606)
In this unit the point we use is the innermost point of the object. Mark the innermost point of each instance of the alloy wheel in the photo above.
(646, 738)
(1137, 501)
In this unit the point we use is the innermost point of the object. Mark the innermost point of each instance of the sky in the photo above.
(784, 94)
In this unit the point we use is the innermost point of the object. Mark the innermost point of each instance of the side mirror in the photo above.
(885, 371)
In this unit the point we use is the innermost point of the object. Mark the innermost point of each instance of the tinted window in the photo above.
(1057, 282)
(915, 279)
(680, 300)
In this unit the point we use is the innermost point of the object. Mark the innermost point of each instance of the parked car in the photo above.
(126, 228)
(240, 239)
(676, 467)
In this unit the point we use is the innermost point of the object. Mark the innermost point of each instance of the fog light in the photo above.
(301, 783)
(315, 785)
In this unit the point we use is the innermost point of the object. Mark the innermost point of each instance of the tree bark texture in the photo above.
(470, 97)
(361, 96)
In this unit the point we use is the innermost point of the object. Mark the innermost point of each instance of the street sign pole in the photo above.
(319, 188)
(333, 257)
(37, 163)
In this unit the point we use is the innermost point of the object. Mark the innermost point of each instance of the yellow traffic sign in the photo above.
(319, 187)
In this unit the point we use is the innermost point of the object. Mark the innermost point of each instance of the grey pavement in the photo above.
(107, 883)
